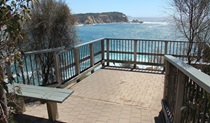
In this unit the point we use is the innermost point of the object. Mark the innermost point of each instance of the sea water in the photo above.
(152, 30)
(148, 30)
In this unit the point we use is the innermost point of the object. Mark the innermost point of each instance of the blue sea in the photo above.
(158, 30)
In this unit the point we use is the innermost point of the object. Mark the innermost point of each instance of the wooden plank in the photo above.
(83, 44)
(41, 91)
(44, 93)
(166, 80)
(197, 76)
(92, 61)
(179, 97)
(41, 88)
(76, 56)
(166, 48)
(142, 63)
(43, 97)
(47, 93)
(145, 40)
(102, 51)
(107, 52)
(44, 51)
(135, 51)
(57, 68)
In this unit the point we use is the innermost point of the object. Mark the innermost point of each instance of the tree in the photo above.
(51, 26)
(192, 19)
(12, 14)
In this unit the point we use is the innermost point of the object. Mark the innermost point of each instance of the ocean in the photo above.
(150, 29)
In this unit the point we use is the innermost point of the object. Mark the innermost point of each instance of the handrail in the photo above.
(44, 51)
(145, 39)
(196, 75)
(89, 42)
(186, 91)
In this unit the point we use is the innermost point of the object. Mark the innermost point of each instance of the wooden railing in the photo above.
(71, 64)
(144, 52)
(32, 70)
(186, 93)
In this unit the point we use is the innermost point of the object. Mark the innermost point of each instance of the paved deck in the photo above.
(110, 96)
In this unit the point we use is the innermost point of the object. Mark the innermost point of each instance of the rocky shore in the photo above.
(106, 17)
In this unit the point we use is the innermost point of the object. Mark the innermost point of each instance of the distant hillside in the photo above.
(106, 17)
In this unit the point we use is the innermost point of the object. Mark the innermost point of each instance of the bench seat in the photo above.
(51, 96)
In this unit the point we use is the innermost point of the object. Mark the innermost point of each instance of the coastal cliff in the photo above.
(107, 17)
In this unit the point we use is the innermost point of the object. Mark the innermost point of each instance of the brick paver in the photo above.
(111, 96)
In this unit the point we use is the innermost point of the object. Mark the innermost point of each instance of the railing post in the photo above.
(57, 68)
(91, 56)
(107, 52)
(179, 96)
(166, 48)
(165, 53)
(135, 53)
(77, 64)
(102, 52)
(166, 81)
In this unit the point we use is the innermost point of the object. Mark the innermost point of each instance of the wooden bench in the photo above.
(51, 96)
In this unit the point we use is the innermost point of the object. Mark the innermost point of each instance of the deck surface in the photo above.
(110, 96)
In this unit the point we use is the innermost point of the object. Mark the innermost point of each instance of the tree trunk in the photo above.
(3, 100)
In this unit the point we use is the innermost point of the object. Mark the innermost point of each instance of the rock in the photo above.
(108, 17)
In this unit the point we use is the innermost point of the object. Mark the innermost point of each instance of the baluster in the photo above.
(179, 96)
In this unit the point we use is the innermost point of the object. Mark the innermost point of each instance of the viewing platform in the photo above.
(121, 81)
(110, 96)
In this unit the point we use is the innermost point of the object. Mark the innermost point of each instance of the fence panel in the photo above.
(187, 96)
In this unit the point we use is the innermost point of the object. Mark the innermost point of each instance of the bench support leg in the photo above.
(21, 107)
(52, 110)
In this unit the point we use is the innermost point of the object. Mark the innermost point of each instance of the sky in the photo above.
(134, 8)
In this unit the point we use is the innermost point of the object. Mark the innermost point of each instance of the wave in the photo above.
(157, 23)
(79, 25)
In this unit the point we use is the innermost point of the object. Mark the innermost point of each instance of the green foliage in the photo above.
(51, 26)
(12, 14)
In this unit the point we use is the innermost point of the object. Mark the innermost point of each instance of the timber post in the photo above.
(135, 53)
(57, 68)
(77, 63)
(91, 56)
(107, 52)
(102, 52)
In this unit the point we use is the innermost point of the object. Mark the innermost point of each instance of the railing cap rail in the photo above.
(44, 51)
(202, 79)
(93, 41)
(80, 45)
(145, 39)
